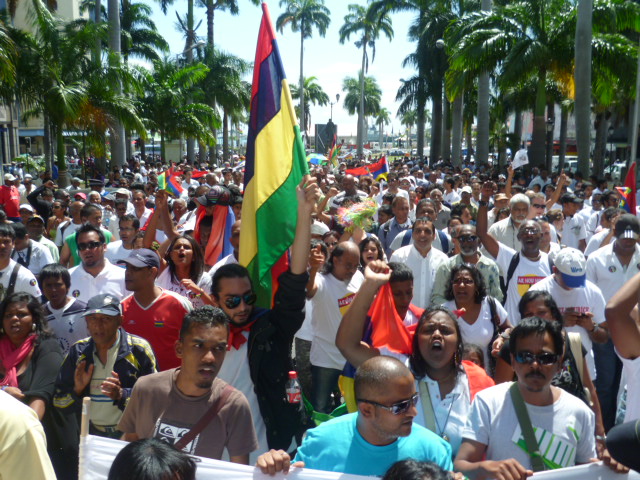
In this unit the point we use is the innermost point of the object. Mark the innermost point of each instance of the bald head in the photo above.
(374, 376)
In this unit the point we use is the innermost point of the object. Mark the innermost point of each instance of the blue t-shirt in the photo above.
(337, 446)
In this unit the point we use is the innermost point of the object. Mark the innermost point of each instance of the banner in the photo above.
(97, 454)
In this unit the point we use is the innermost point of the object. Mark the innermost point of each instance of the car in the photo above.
(396, 153)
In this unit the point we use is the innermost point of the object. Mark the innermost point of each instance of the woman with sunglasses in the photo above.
(30, 357)
(573, 376)
(481, 318)
(59, 216)
(446, 383)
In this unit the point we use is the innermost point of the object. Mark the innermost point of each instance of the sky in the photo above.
(324, 58)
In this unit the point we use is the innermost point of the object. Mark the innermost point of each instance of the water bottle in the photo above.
(294, 392)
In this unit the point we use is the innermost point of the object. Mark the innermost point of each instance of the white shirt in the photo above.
(116, 252)
(164, 281)
(424, 271)
(229, 259)
(67, 323)
(85, 286)
(330, 302)
(40, 256)
(631, 372)
(585, 299)
(526, 274)
(144, 217)
(451, 197)
(53, 249)
(596, 241)
(397, 242)
(25, 281)
(505, 231)
(573, 231)
(605, 270)
(69, 228)
(400, 193)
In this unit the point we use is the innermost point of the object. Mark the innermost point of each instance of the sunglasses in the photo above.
(467, 238)
(88, 246)
(248, 298)
(538, 205)
(542, 358)
(397, 408)
(463, 281)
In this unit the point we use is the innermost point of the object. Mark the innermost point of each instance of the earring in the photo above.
(1, 331)
(33, 327)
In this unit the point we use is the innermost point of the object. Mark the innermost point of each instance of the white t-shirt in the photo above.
(451, 197)
(605, 270)
(424, 271)
(25, 281)
(481, 332)
(116, 252)
(306, 330)
(595, 242)
(564, 430)
(85, 286)
(330, 303)
(39, 257)
(586, 299)
(229, 259)
(573, 231)
(64, 230)
(67, 322)
(526, 274)
(164, 281)
(631, 372)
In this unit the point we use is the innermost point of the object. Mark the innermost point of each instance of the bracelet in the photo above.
(198, 295)
(601, 438)
(4, 387)
(595, 327)
(482, 203)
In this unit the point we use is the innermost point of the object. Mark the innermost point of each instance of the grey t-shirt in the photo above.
(157, 409)
(564, 430)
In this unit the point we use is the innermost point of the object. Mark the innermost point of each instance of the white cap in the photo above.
(8, 177)
(26, 206)
(572, 265)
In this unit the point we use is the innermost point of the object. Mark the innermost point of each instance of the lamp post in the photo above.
(334, 103)
(550, 124)
(611, 152)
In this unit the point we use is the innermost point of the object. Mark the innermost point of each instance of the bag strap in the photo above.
(406, 238)
(205, 419)
(527, 429)
(427, 407)
(12, 279)
(575, 344)
(511, 270)
(493, 309)
(444, 241)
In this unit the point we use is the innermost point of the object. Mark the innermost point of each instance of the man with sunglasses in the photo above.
(370, 440)
(151, 312)
(469, 254)
(493, 444)
(258, 357)
(95, 274)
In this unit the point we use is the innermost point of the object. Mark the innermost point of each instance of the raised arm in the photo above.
(622, 319)
(308, 194)
(507, 188)
(490, 243)
(562, 181)
(349, 336)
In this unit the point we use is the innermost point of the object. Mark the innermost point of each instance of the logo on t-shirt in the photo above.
(76, 293)
(524, 282)
(344, 302)
(172, 434)
(557, 451)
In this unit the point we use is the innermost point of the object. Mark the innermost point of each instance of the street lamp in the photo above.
(334, 103)
(550, 123)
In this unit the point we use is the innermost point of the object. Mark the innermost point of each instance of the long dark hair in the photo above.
(549, 302)
(197, 261)
(416, 361)
(34, 306)
(481, 289)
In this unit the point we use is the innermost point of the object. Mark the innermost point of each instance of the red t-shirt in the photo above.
(159, 324)
(10, 200)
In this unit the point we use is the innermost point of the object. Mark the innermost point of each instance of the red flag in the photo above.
(387, 327)
(630, 182)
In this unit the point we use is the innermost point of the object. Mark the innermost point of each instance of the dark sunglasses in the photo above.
(539, 205)
(248, 298)
(467, 238)
(88, 246)
(542, 358)
(397, 408)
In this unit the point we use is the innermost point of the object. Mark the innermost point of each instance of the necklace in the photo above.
(430, 418)
(440, 431)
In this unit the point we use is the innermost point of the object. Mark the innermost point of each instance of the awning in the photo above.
(31, 132)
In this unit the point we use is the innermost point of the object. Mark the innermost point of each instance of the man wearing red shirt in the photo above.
(10, 198)
(151, 312)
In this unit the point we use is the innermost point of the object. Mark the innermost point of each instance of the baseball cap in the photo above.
(82, 195)
(122, 191)
(141, 257)
(318, 228)
(76, 179)
(500, 196)
(28, 175)
(466, 189)
(8, 177)
(570, 198)
(26, 206)
(36, 217)
(572, 266)
(106, 304)
(217, 195)
(627, 226)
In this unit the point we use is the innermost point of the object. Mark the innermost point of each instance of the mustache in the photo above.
(535, 375)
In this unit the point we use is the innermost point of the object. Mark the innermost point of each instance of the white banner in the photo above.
(97, 454)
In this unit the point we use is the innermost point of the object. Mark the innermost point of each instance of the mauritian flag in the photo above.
(334, 152)
(381, 167)
(275, 165)
(628, 191)
(170, 182)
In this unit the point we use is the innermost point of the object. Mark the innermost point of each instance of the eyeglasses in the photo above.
(542, 358)
(468, 238)
(397, 408)
(248, 298)
(88, 246)
(539, 205)
(463, 281)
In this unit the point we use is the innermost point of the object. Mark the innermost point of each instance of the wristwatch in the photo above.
(595, 327)
(482, 203)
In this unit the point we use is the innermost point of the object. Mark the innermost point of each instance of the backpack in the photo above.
(504, 285)
(444, 240)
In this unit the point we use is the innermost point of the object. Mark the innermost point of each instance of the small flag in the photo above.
(381, 167)
(628, 191)
(170, 182)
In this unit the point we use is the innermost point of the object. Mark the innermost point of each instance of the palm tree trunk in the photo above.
(360, 135)
(421, 115)
(210, 16)
(456, 130)
(118, 148)
(163, 152)
(599, 149)
(446, 128)
(482, 132)
(436, 123)
(468, 140)
(225, 137)
(564, 121)
(536, 158)
(61, 157)
(191, 142)
(551, 115)
(48, 156)
(97, 18)
(301, 86)
(582, 78)
(517, 132)
(380, 127)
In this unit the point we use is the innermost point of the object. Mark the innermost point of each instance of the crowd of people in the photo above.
(486, 324)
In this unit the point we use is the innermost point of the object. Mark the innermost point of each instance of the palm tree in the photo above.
(527, 38)
(372, 96)
(383, 118)
(304, 16)
(368, 24)
(139, 36)
(408, 119)
(7, 56)
(223, 5)
(583, 83)
(314, 95)
(118, 147)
